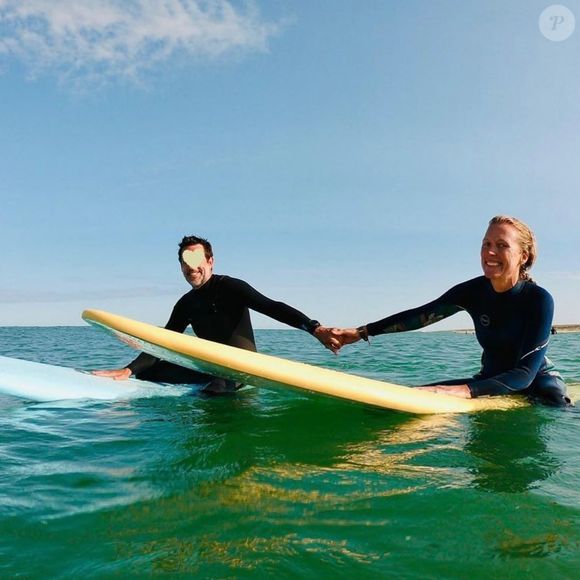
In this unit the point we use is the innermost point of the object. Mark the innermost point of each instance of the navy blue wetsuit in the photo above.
(512, 327)
(217, 311)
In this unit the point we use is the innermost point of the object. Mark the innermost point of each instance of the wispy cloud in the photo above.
(100, 40)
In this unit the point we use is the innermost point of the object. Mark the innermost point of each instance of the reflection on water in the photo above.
(515, 546)
(408, 450)
(278, 482)
(511, 450)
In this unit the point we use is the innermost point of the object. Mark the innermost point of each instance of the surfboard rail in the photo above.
(265, 370)
(36, 381)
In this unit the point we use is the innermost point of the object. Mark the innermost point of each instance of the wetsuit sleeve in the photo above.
(446, 305)
(532, 353)
(277, 310)
(178, 322)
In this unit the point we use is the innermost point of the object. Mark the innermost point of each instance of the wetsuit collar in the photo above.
(207, 284)
(514, 291)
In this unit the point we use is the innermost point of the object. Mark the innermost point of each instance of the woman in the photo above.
(511, 314)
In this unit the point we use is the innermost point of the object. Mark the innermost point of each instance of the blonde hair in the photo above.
(526, 239)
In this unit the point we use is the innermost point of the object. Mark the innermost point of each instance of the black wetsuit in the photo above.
(217, 311)
(513, 329)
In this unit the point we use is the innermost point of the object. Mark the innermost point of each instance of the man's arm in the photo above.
(282, 312)
(177, 322)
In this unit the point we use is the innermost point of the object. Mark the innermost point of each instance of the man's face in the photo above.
(196, 268)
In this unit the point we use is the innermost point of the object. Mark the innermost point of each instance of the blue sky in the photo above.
(342, 156)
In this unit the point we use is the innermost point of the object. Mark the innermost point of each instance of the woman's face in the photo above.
(502, 256)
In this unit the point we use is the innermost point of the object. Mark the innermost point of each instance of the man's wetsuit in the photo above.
(217, 311)
(513, 329)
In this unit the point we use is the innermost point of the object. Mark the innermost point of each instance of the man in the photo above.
(217, 308)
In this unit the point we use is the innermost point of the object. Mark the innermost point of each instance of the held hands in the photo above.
(335, 338)
(347, 335)
(117, 374)
(327, 337)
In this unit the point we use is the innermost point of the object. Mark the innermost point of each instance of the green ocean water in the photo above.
(283, 483)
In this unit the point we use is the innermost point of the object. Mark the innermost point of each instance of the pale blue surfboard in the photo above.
(42, 382)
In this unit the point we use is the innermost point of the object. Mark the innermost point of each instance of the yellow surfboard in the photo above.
(265, 370)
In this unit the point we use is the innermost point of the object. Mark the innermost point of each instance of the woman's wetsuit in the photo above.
(217, 311)
(513, 329)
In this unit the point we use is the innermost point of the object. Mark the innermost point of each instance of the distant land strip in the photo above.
(560, 328)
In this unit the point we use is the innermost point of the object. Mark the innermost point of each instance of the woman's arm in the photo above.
(446, 305)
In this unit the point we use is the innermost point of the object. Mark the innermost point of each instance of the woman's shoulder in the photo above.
(537, 292)
(465, 293)
(472, 285)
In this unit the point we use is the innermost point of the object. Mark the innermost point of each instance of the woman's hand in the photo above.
(327, 337)
(335, 338)
(346, 335)
(453, 390)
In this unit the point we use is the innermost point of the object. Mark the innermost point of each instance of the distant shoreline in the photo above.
(560, 329)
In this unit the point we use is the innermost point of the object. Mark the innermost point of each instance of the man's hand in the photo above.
(453, 390)
(327, 336)
(346, 335)
(117, 374)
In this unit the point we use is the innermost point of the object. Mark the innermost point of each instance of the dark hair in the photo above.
(192, 241)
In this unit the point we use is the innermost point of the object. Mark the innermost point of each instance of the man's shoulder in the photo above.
(185, 298)
(236, 289)
(225, 281)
